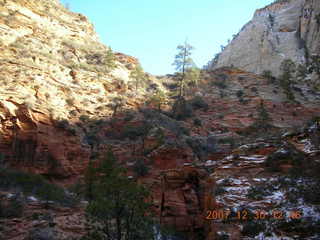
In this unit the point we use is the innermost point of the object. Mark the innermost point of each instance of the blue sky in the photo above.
(151, 29)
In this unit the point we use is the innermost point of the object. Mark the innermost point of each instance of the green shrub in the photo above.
(239, 93)
(128, 116)
(228, 140)
(133, 132)
(311, 192)
(70, 101)
(33, 184)
(220, 84)
(63, 124)
(257, 192)
(289, 155)
(197, 122)
(317, 17)
(140, 168)
(198, 103)
(73, 113)
(181, 109)
(219, 190)
(254, 89)
(252, 228)
(84, 118)
(14, 209)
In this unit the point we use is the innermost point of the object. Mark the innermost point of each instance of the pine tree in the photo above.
(118, 209)
(288, 67)
(138, 76)
(193, 76)
(183, 61)
(109, 60)
(263, 115)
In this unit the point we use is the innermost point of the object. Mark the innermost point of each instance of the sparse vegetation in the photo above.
(158, 99)
(198, 103)
(134, 132)
(64, 124)
(239, 93)
(70, 102)
(268, 75)
(138, 76)
(183, 62)
(197, 122)
(254, 89)
(13, 208)
(193, 76)
(289, 155)
(288, 68)
(257, 192)
(118, 207)
(315, 64)
(220, 84)
(317, 17)
(253, 228)
(302, 71)
(140, 168)
(84, 118)
(181, 109)
(116, 104)
(33, 184)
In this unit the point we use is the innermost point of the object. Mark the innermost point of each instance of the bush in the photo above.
(220, 190)
(197, 122)
(239, 93)
(253, 228)
(73, 113)
(70, 101)
(317, 17)
(84, 118)
(254, 89)
(198, 103)
(181, 109)
(220, 84)
(12, 209)
(63, 124)
(257, 192)
(140, 168)
(288, 154)
(228, 140)
(33, 184)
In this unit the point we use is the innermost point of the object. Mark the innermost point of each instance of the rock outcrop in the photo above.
(182, 198)
(282, 30)
(53, 71)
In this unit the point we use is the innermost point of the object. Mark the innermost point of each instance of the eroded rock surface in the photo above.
(283, 30)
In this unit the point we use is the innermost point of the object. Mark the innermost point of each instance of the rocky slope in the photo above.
(282, 30)
(57, 101)
(53, 70)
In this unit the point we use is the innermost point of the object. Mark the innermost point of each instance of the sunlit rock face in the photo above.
(284, 30)
(53, 68)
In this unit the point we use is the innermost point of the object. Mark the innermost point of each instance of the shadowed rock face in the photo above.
(276, 32)
(32, 142)
(182, 198)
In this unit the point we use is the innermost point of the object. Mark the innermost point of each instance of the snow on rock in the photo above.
(32, 199)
